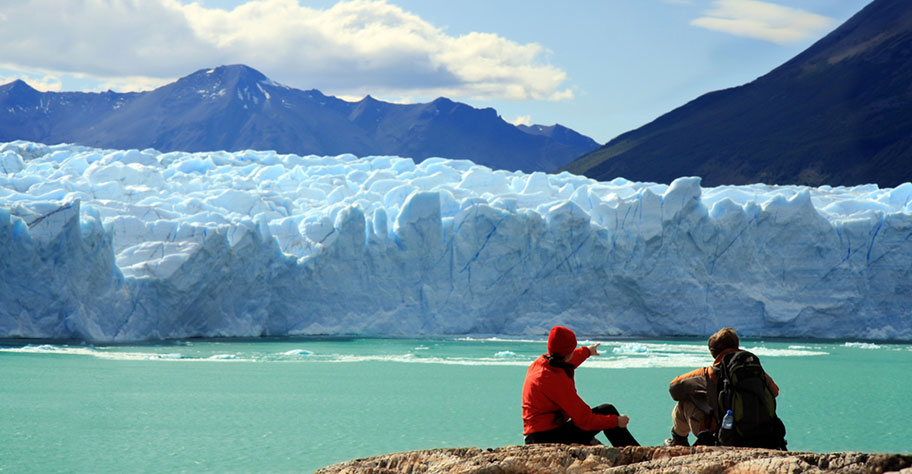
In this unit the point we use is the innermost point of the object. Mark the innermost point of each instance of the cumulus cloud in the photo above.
(352, 48)
(130, 83)
(763, 20)
(53, 81)
(41, 82)
(522, 120)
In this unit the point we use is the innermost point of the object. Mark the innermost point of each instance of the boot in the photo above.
(676, 440)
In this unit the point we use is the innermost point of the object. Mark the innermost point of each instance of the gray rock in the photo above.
(541, 459)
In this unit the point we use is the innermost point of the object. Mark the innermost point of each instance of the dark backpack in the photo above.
(744, 389)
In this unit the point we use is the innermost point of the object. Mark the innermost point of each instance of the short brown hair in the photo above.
(725, 338)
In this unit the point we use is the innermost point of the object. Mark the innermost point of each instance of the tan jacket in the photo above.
(699, 387)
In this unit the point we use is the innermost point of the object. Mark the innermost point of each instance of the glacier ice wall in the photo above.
(125, 245)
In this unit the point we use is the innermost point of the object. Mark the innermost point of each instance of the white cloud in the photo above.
(40, 80)
(50, 81)
(522, 120)
(763, 20)
(353, 48)
(43, 83)
(130, 83)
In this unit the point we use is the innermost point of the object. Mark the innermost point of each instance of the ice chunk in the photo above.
(632, 348)
(298, 352)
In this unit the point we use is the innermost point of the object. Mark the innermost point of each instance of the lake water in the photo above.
(294, 405)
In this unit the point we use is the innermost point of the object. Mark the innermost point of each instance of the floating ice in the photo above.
(169, 356)
(630, 349)
(110, 245)
(298, 352)
(790, 352)
(655, 355)
(862, 345)
(223, 357)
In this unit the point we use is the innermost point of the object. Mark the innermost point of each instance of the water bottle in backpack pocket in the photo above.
(728, 421)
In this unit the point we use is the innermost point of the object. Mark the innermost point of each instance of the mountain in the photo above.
(839, 113)
(236, 107)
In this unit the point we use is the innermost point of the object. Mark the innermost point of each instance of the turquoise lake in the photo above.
(295, 405)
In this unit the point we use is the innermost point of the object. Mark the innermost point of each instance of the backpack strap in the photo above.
(712, 395)
(723, 377)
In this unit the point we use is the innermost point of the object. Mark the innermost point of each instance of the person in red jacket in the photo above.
(552, 411)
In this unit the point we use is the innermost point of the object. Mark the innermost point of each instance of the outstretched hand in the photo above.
(593, 349)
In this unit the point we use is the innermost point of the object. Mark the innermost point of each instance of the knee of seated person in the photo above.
(605, 409)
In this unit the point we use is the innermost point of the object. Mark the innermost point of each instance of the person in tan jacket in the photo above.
(697, 394)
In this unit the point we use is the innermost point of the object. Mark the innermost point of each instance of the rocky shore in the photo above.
(541, 459)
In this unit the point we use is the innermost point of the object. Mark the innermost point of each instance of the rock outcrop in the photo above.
(540, 459)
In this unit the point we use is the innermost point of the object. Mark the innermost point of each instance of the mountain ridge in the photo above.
(236, 107)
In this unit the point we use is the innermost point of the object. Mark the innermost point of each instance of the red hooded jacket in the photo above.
(550, 398)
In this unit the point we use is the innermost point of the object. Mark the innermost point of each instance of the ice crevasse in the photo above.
(127, 245)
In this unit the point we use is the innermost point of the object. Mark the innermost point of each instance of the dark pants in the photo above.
(569, 433)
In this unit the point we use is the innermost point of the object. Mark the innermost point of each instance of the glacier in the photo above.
(132, 245)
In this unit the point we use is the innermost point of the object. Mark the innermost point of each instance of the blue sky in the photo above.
(601, 67)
